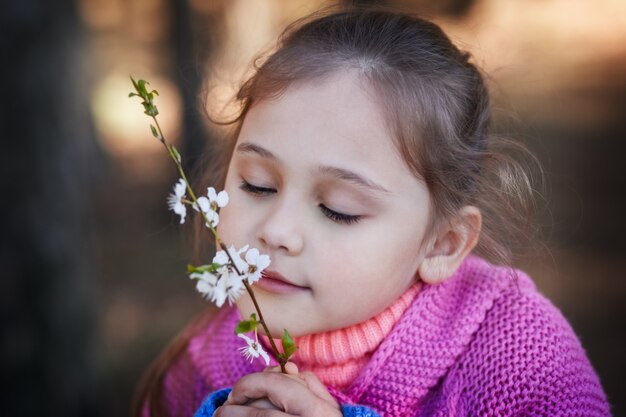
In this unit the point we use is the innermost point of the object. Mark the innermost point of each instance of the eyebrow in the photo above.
(247, 147)
(339, 173)
(353, 177)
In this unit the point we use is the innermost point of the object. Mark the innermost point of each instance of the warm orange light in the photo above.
(544, 38)
(122, 127)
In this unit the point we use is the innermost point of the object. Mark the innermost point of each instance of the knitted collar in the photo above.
(336, 357)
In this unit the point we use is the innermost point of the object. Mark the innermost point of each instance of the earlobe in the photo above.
(451, 248)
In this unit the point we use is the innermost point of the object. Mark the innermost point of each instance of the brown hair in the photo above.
(435, 103)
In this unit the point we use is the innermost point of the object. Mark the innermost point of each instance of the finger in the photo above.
(291, 368)
(261, 403)
(286, 392)
(243, 411)
(295, 378)
(316, 386)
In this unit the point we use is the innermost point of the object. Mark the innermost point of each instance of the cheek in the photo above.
(381, 251)
(350, 259)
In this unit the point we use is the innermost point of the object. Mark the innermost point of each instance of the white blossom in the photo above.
(253, 350)
(229, 287)
(206, 283)
(204, 205)
(174, 201)
(210, 204)
(256, 264)
(222, 258)
(226, 285)
(217, 199)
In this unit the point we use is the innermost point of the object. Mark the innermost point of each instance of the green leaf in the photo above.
(246, 326)
(289, 346)
(154, 131)
(141, 87)
(203, 268)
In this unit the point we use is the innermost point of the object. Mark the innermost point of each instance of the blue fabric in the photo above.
(211, 402)
(218, 398)
(354, 410)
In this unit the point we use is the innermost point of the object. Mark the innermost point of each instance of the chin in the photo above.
(276, 326)
(245, 306)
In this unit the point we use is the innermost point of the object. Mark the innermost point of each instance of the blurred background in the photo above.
(92, 263)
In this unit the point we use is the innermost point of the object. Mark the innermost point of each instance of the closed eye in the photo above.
(339, 217)
(255, 190)
(335, 216)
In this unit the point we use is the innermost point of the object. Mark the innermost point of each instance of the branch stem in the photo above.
(194, 199)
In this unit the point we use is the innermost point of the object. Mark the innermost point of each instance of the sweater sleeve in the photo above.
(524, 360)
(216, 399)
(182, 391)
(185, 387)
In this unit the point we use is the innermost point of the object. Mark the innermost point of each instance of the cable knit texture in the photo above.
(482, 343)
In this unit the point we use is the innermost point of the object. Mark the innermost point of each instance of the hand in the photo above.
(273, 394)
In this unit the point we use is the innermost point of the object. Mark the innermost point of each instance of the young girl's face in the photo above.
(316, 183)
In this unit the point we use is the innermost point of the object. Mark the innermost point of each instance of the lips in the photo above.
(274, 282)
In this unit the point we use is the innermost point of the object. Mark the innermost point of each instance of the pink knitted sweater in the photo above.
(479, 344)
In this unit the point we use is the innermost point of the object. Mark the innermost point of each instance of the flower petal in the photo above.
(180, 209)
(211, 194)
(219, 297)
(234, 287)
(212, 217)
(222, 199)
(246, 338)
(204, 204)
(204, 288)
(252, 255)
(264, 355)
(180, 187)
(263, 262)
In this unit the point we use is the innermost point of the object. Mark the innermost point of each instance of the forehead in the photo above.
(334, 121)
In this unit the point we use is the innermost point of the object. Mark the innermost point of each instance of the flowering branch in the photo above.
(215, 281)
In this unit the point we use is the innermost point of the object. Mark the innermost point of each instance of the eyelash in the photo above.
(339, 217)
(253, 189)
(332, 215)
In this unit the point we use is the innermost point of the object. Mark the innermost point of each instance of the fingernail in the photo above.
(229, 399)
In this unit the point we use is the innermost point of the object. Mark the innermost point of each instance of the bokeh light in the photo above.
(122, 126)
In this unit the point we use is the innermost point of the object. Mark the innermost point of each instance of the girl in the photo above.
(362, 164)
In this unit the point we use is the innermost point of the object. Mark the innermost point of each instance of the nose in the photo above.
(282, 228)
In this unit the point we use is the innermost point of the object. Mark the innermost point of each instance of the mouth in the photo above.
(274, 282)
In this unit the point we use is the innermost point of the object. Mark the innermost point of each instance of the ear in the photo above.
(451, 247)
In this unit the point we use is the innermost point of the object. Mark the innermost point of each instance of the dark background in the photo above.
(92, 263)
